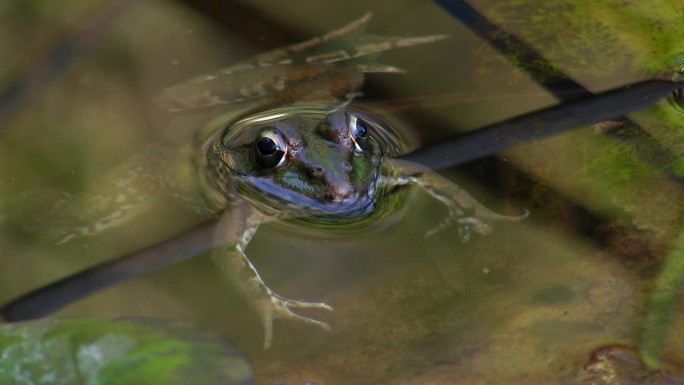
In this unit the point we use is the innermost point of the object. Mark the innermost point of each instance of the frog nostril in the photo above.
(317, 172)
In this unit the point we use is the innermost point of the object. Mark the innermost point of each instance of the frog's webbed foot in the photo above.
(322, 67)
(276, 306)
(464, 211)
(234, 231)
(466, 224)
(469, 223)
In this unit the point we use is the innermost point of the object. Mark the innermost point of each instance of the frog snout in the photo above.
(337, 186)
(340, 192)
(329, 171)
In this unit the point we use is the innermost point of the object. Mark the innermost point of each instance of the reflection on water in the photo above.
(527, 304)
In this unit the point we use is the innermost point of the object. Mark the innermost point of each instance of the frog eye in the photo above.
(358, 129)
(270, 148)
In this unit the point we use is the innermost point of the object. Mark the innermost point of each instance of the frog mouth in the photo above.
(334, 207)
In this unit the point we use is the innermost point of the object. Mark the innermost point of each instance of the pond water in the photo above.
(527, 304)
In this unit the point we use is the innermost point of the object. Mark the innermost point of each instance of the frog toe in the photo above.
(280, 307)
(474, 224)
(293, 303)
(465, 225)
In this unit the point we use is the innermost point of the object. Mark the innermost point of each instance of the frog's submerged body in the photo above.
(318, 161)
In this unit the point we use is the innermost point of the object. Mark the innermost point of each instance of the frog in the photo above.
(290, 148)
(307, 155)
(321, 165)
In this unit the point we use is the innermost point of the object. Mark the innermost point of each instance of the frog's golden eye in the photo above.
(270, 148)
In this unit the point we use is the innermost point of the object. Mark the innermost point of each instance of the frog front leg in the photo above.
(232, 235)
(463, 210)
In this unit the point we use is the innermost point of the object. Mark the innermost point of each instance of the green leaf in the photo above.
(116, 352)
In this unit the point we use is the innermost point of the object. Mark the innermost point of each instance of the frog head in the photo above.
(320, 163)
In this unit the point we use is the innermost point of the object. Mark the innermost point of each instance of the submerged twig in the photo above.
(54, 296)
(539, 124)
(522, 55)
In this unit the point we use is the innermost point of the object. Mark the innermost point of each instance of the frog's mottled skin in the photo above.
(320, 161)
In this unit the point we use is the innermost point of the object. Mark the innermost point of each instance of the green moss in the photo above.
(678, 167)
(660, 309)
(616, 163)
(596, 38)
